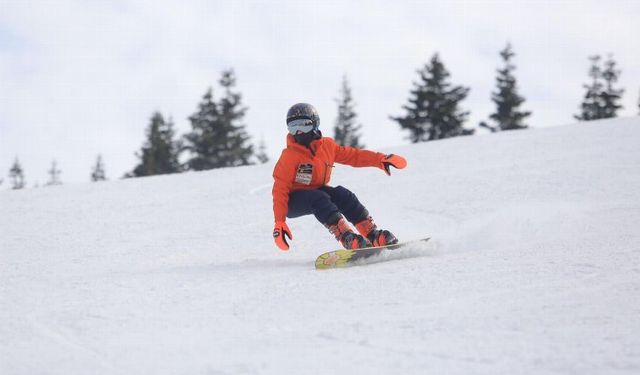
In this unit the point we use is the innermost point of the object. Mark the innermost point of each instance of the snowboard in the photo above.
(346, 258)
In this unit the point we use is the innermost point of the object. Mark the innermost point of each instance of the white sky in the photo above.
(79, 78)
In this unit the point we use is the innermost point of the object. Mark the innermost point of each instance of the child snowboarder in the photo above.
(301, 178)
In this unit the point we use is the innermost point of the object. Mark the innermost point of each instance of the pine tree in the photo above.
(261, 155)
(218, 137)
(591, 106)
(346, 130)
(433, 110)
(611, 96)
(231, 114)
(17, 175)
(98, 173)
(160, 153)
(601, 99)
(201, 141)
(506, 98)
(54, 175)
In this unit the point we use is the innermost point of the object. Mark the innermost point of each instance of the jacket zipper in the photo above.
(324, 178)
(326, 165)
(313, 153)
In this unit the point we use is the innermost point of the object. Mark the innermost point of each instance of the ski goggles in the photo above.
(301, 126)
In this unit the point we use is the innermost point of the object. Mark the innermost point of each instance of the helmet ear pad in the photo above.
(305, 139)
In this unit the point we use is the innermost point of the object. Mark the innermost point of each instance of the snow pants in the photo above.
(325, 202)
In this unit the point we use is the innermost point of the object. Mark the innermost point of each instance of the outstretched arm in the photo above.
(356, 157)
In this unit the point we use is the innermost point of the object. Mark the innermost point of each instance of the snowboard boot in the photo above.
(378, 237)
(343, 233)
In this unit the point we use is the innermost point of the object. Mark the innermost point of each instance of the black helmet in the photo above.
(302, 118)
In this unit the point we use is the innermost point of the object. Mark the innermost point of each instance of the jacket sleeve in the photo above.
(283, 176)
(356, 157)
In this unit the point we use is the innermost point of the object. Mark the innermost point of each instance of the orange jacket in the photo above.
(305, 168)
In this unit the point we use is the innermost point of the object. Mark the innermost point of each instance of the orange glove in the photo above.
(280, 232)
(392, 160)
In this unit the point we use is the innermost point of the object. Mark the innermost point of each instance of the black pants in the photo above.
(325, 202)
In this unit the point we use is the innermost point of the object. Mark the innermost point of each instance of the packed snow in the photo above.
(533, 268)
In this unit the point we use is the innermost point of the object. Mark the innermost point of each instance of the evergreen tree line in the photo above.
(16, 175)
(433, 111)
(217, 138)
(434, 108)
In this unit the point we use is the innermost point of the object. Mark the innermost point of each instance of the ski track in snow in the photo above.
(262, 189)
(533, 268)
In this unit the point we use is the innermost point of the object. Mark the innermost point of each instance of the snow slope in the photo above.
(534, 268)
